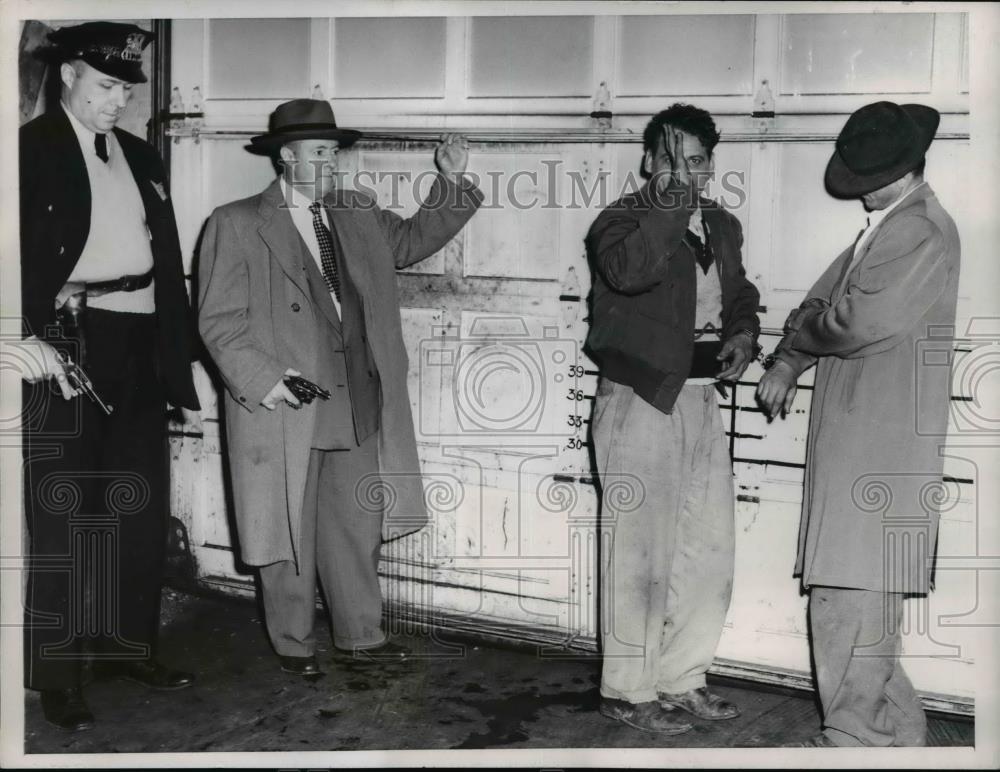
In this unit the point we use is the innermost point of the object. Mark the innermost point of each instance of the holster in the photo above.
(71, 317)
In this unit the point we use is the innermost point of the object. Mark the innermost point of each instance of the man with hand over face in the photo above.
(673, 315)
(299, 281)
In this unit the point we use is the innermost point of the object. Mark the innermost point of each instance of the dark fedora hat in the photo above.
(301, 119)
(879, 144)
(113, 48)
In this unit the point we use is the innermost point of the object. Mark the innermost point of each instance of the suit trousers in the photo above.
(341, 540)
(866, 696)
(96, 504)
(667, 504)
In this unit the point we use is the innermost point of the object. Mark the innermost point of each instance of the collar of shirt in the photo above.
(85, 136)
(298, 207)
(293, 197)
(696, 225)
(875, 218)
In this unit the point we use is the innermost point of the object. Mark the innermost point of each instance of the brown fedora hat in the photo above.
(879, 144)
(301, 119)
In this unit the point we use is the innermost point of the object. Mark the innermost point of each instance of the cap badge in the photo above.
(133, 47)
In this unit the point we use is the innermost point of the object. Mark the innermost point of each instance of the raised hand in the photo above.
(677, 165)
(452, 155)
(675, 152)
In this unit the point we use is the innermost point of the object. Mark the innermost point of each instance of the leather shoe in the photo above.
(154, 675)
(381, 654)
(66, 709)
(647, 716)
(701, 703)
(303, 666)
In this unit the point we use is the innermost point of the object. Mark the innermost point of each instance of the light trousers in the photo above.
(866, 696)
(341, 541)
(668, 506)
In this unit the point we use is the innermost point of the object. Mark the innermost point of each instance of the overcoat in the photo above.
(257, 318)
(55, 223)
(883, 336)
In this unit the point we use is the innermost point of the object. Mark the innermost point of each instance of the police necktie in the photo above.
(101, 146)
(326, 254)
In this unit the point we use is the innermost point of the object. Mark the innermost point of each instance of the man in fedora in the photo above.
(102, 283)
(878, 324)
(299, 280)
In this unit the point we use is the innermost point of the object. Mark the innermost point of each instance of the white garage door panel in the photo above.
(495, 322)
(258, 58)
(857, 53)
(656, 55)
(410, 60)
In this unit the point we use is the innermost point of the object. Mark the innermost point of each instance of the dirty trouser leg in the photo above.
(289, 594)
(701, 577)
(856, 645)
(639, 454)
(904, 711)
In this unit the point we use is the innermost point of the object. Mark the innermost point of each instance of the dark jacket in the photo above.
(642, 313)
(55, 223)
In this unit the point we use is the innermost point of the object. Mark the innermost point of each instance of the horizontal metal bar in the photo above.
(765, 462)
(541, 136)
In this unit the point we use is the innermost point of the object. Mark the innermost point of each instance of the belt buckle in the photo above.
(128, 283)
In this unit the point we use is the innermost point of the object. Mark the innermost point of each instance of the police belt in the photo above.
(121, 284)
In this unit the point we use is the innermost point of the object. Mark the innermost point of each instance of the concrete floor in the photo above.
(454, 694)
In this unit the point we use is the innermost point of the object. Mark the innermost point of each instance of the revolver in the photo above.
(304, 390)
(79, 380)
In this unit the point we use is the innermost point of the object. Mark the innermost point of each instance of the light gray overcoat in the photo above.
(883, 338)
(256, 316)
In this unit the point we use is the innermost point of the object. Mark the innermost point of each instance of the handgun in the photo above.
(80, 381)
(305, 390)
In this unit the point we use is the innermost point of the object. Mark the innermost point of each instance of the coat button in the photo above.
(62, 250)
(50, 207)
(243, 399)
(296, 307)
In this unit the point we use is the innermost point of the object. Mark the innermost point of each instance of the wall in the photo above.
(494, 323)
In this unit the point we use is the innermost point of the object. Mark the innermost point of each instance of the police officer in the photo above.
(103, 288)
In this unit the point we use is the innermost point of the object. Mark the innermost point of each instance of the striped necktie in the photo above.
(326, 254)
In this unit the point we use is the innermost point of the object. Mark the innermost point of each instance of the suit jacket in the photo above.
(882, 332)
(645, 290)
(55, 223)
(257, 318)
(345, 364)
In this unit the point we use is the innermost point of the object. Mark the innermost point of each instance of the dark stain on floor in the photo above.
(445, 696)
(506, 718)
